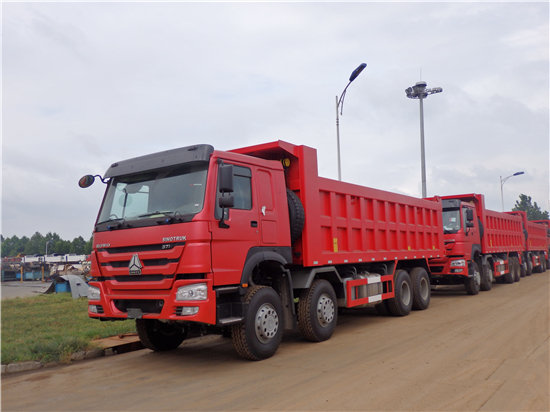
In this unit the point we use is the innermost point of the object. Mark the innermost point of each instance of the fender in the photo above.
(257, 255)
(475, 249)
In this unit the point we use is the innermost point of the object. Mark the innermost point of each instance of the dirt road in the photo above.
(465, 353)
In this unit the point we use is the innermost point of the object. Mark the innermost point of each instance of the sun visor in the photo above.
(154, 161)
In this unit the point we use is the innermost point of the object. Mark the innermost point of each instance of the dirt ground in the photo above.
(465, 353)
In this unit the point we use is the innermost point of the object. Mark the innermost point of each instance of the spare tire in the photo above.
(296, 215)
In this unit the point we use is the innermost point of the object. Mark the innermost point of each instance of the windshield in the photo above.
(451, 220)
(174, 194)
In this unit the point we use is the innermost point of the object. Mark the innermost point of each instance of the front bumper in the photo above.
(153, 304)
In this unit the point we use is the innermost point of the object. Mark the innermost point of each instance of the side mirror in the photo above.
(227, 201)
(86, 181)
(470, 223)
(225, 180)
(470, 216)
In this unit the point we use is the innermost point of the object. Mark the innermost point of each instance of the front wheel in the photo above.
(473, 282)
(160, 336)
(259, 336)
(401, 304)
(317, 311)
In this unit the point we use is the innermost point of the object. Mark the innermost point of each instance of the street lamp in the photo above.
(340, 106)
(419, 91)
(502, 181)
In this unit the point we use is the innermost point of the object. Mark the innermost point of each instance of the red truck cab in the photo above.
(461, 236)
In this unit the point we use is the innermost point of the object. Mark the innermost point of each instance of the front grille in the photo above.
(436, 269)
(142, 278)
(100, 309)
(145, 262)
(145, 305)
(143, 248)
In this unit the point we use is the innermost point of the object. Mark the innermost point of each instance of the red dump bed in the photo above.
(536, 233)
(546, 224)
(502, 232)
(346, 223)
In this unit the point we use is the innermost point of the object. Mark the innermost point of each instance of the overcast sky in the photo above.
(88, 84)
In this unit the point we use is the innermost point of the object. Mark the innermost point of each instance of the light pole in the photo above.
(419, 91)
(502, 181)
(340, 106)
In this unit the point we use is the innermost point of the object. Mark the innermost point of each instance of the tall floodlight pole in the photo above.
(502, 181)
(419, 91)
(340, 108)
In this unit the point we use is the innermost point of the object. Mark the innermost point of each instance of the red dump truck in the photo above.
(480, 245)
(252, 242)
(535, 250)
(546, 224)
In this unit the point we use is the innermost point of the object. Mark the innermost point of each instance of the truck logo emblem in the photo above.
(135, 265)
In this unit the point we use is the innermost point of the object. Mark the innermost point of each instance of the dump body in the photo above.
(347, 223)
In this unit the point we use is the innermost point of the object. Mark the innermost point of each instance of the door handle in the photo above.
(253, 223)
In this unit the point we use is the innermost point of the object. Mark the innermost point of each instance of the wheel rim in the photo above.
(477, 277)
(424, 288)
(405, 293)
(266, 323)
(325, 310)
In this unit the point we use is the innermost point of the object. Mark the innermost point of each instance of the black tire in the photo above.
(421, 288)
(516, 269)
(473, 282)
(160, 336)
(401, 304)
(259, 336)
(522, 269)
(486, 277)
(317, 311)
(296, 215)
(509, 276)
(529, 266)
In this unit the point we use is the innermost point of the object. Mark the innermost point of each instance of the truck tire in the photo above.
(522, 269)
(401, 304)
(473, 281)
(516, 269)
(317, 311)
(421, 288)
(160, 336)
(486, 277)
(529, 266)
(259, 336)
(296, 215)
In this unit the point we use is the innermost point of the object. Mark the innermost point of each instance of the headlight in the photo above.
(458, 263)
(197, 291)
(94, 293)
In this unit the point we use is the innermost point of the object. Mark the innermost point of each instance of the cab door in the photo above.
(241, 231)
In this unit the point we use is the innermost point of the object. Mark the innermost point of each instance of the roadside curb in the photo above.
(106, 347)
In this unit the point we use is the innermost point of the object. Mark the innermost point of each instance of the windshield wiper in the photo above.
(165, 213)
(118, 222)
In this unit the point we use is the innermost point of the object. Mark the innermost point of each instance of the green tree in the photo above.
(533, 210)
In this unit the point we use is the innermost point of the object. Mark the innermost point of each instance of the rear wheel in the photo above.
(421, 288)
(486, 277)
(529, 266)
(473, 282)
(160, 336)
(401, 304)
(317, 311)
(259, 336)
(516, 269)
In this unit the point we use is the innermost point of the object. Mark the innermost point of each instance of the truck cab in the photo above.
(461, 236)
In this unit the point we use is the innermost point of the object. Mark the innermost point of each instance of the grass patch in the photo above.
(49, 328)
